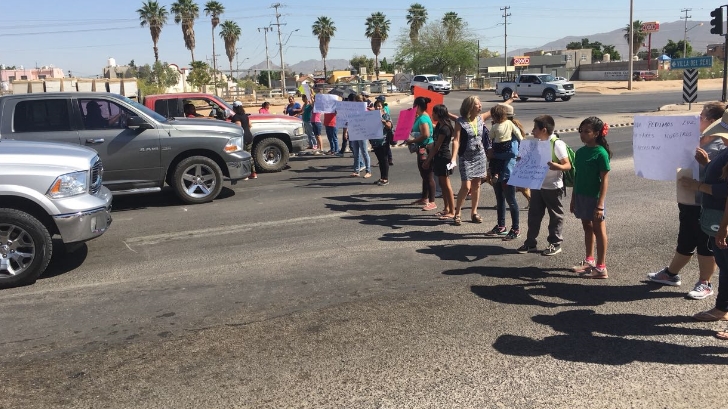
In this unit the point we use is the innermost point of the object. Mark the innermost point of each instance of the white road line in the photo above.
(214, 231)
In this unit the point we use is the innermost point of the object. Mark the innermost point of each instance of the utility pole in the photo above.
(280, 48)
(267, 59)
(685, 35)
(506, 14)
(631, 46)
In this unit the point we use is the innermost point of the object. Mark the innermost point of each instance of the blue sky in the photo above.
(81, 35)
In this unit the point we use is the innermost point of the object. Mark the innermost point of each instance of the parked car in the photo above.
(431, 82)
(645, 76)
(536, 86)
(47, 189)
(275, 137)
(141, 149)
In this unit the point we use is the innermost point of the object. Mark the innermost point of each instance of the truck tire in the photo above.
(271, 155)
(549, 95)
(565, 98)
(197, 179)
(507, 94)
(26, 248)
(447, 92)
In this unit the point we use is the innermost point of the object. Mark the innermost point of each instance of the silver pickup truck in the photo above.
(141, 150)
(544, 86)
(47, 189)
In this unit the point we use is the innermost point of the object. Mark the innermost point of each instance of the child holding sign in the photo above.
(589, 194)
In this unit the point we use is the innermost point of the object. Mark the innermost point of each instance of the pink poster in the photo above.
(404, 124)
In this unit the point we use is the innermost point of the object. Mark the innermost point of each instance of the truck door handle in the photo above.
(92, 141)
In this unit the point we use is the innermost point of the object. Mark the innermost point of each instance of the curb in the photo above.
(567, 130)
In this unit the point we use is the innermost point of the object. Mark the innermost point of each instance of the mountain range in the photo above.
(307, 66)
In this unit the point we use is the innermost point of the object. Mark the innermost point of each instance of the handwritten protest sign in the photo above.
(404, 124)
(662, 144)
(436, 98)
(530, 170)
(325, 103)
(365, 125)
(307, 90)
(344, 108)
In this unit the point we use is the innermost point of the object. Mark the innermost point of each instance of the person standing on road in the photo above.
(690, 236)
(316, 125)
(240, 118)
(381, 145)
(306, 115)
(330, 124)
(589, 195)
(293, 108)
(441, 157)
(551, 195)
(421, 137)
(345, 130)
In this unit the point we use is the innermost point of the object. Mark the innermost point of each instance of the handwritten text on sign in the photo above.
(344, 108)
(530, 170)
(365, 125)
(325, 103)
(662, 144)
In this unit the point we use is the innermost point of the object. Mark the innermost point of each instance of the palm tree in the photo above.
(185, 12)
(155, 16)
(214, 9)
(230, 33)
(324, 29)
(377, 32)
(416, 17)
(638, 37)
(453, 24)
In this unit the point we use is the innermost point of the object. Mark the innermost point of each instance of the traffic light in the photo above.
(717, 21)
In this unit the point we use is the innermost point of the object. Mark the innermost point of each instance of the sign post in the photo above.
(649, 28)
(690, 75)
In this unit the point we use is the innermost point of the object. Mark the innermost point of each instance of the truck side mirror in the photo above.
(135, 122)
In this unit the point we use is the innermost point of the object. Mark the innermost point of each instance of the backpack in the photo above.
(569, 175)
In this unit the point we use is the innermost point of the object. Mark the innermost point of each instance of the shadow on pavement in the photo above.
(529, 274)
(165, 198)
(64, 261)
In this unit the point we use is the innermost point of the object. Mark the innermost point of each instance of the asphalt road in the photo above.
(310, 288)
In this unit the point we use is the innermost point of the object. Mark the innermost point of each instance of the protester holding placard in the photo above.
(330, 124)
(381, 145)
(690, 237)
(316, 125)
(421, 137)
(307, 113)
(551, 195)
(589, 195)
(440, 158)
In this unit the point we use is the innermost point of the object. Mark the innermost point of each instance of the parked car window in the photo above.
(102, 114)
(526, 79)
(435, 78)
(41, 116)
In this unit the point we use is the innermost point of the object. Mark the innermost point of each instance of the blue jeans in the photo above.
(308, 128)
(333, 138)
(361, 156)
(506, 193)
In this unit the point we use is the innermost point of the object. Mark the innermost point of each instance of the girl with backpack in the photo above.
(589, 195)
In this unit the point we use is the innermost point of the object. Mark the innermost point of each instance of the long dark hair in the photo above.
(597, 125)
(421, 102)
(443, 116)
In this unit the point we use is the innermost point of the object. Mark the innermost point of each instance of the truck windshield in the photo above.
(547, 78)
(147, 111)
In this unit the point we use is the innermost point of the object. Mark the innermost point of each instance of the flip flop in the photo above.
(445, 217)
(711, 316)
(722, 335)
(354, 175)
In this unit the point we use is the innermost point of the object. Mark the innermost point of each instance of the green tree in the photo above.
(214, 9)
(263, 78)
(185, 12)
(377, 31)
(385, 66)
(362, 61)
(453, 25)
(486, 53)
(638, 37)
(155, 16)
(613, 53)
(436, 52)
(157, 78)
(200, 74)
(230, 33)
(642, 55)
(324, 29)
(675, 50)
(416, 18)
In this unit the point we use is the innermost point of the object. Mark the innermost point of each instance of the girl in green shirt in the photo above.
(422, 137)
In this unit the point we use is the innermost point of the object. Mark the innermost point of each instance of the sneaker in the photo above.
(318, 153)
(383, 183)
(526, 249)
(702, 289)
(429, 206)
(595, 273)
(552, 250)
(497, 231)
(254, 175)
(339, 154)
(583, 266)
(512, 235)
(663, 278)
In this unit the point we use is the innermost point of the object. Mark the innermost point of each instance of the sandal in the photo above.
(354, 175)
(445, 216)
(711, 316)
(722, 335)
(457, 220)
(476, 218)
(438, 214)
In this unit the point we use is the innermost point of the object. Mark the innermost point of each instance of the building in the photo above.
(716, 50)
(32, 74)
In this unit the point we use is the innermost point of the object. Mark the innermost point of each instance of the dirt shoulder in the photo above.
(620, 87)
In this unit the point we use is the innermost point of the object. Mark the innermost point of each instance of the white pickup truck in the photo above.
(536, 86)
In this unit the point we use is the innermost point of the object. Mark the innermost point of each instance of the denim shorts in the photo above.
(584, 207)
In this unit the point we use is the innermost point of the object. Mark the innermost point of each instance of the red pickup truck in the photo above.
(275, 137)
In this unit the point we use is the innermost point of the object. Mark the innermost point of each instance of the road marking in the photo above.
(214, 231)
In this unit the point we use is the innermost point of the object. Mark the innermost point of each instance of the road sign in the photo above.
(690, 85)
(521, 61)
(693, 62)
(650, 27)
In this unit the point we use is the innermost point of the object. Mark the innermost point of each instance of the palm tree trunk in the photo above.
(325, 78)
(214, 63)
(156, 53)
(376, 66)
(192, 53)
(231, 69)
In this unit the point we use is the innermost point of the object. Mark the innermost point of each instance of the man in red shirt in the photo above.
(330, 124)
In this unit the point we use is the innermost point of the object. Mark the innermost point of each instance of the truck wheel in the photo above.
(25, 248)
(507, 94)
(447, 92)
(523, 99)
(270, 155)
(549, 95)
(197, 179)
(565, 98)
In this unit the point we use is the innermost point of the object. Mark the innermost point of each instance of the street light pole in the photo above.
(685, 34)
(631, 45)
(506, 14)
(267, 59)
(280, 49)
